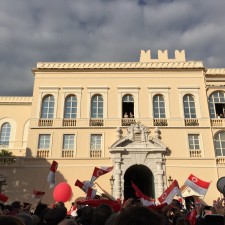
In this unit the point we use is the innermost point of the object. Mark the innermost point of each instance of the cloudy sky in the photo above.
(103, 30)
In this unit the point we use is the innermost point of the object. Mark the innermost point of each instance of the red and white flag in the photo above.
(146, 201)
(91, 193)
(83, 185)
(199, 186)
(38, 194)
(168, 195)
(3, 198)
(99, 172)
(51, 175)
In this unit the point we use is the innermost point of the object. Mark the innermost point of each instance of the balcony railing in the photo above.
(4, 144)
(7, 161)
(42, 153)
(217, 122)
(69, 122)
(96, 122)
(160, 122)
(67, 153)
(191, 122)
(220, 160)
(95, 153)
(128, 121)
(195, 153)
(45, 122)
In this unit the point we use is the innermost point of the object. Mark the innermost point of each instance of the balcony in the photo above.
(67, 153)
(96, 153)
(217, 122)
(42, 153)
(160, 122)
(220, 160)
(128, 121)
(45, 122)
(96, 122)
(191, 122)
(195, 153)
(69, 122)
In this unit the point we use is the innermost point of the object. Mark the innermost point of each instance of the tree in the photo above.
(5, 153)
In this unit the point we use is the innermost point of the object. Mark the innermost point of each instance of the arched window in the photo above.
(70, 111)
(159, 106)
(5, 134)
(47, 109)
(219, 141)
(189, 106)
(97, 106)
(217, 104)
(128, 106)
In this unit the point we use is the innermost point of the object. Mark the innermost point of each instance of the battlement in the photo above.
(145, 56)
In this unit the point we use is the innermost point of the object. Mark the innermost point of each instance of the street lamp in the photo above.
(2, 183)
(111, 183)
(170, 180)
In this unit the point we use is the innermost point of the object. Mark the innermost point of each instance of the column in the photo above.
(159, 170)
(117, 175)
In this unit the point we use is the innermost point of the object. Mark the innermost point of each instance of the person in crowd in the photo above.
(10, 220)
(102, 214)
(68, 222)
(26, 218)
(131, 115)
(16, 207)
(86, 217)
(140, 215)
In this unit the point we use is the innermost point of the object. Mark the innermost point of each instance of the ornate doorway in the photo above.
(143, 178)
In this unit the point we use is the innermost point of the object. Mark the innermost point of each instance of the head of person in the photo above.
(10, 220)
(67, 222)
(55, 215)
(26, 218)
(101, 214)
(139, 215)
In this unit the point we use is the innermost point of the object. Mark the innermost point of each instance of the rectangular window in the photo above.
(193, 140)
(68, 141)
(44, 141)
(96, 142)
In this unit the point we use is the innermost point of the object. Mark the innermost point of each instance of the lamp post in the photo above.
(170, 180)
(111, 183)
(2, 183)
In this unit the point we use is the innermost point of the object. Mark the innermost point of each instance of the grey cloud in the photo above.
(103, 30)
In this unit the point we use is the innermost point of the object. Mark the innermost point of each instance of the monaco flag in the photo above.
(91, 193)
(38, 194)
(197, 185)
(168, 195)
(99, 172)
(3, 198)
(146, 201)
(51, 174)
(83, 185)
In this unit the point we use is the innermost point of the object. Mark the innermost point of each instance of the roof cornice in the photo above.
(118, 65)
(215, 71)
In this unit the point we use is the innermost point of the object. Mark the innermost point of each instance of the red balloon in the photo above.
(62, 192)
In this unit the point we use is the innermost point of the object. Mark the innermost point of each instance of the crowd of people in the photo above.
(131, 212)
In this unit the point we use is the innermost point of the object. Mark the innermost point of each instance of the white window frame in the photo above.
(159, 90)
(93, 90)
(66, 91)
(199, 142)
(44, 91)
(128, 90)
(51, 138)
(102, 142)
(215, 143)
(194, 91)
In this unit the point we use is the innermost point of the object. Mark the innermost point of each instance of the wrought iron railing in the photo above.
(128, 121)
(160, 122)
(191, 122)
(96, 122)
(195, 153)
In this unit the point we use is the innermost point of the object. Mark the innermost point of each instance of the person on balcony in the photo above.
(125, 115)
(131, 115)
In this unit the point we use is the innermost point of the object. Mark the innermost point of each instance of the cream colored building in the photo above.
(76, 117)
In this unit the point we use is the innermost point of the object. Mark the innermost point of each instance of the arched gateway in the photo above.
(138, 157)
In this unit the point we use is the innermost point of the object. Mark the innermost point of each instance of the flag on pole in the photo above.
(83, 185)
(38, 194)
(146, 201)
(197, 185)
(168, 195)
(3, 198)
(91, 193)
(99, 172)
(51, 174)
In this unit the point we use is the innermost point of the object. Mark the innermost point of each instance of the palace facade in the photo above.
(154, 120)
